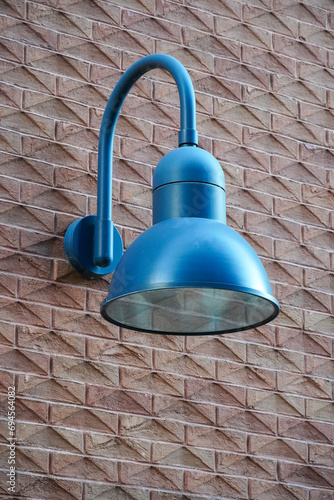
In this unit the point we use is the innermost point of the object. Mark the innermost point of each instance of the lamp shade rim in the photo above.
(262, 295)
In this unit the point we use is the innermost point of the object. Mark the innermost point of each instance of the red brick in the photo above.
(151, 476)
(214, 484)
(306, 475)
(290, 338)
(295, 10)
(45, 437)
(83, 418)
(94, 490)
(53, 19)
(233, 373)
(48, 487)
(271, 402)
(183, 456)
(228, 9)
(270, 143)
(183, 410)
(119, 400)
(32, 461)
(213, 392)
(54, 294)
(278, 448)
(271, 21)
(300, 90)
(232, 463)
(151, 26)
(320, 410)
(85, 371)
(261, 490)
(7, 333)
(316, 432)
(49, 389)
(26, 410)
(152, 382)
(139, 427)
(74, 466)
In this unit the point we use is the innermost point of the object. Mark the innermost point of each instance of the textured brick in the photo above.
(152, 382)
(214, 484)
(26, 410)
(232, 463)
(242, 33)
(248, 421)
(183, 364)
(247, 75)
(320, 410)
(116, 447)
(233, 373)
(48, 340)
(304, 385)
(49, 488)
(75, 322)
(269, 143)
(35, 461)
(228, 9)
(105, 491)
(273, 21)
(7, 333)
(316, 322)
(219, 439)
(50, 390)
(152, 429)
(170, 342)
(86, 419)
(25, 361)
(45, 437)
(151, 476)
(283, 449)
(93, 469)
(305, 13)
(212, 392)
(152, 26)
(185, 15)
(304, 342)
(314, 431)
(55, 294)
(85, 371)
(321, 455)
(183, 410)
(298, 89)
(118, 400)
(275, 403)
(183, 456)
(261, 490)
(306, 475)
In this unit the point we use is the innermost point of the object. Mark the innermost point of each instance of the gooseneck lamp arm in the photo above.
(187, 135)
(102, 256)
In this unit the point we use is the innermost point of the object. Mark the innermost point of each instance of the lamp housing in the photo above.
(188, 274)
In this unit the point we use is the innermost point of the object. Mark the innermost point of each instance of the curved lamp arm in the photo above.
(92, 244)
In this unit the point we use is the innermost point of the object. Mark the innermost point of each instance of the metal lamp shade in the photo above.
(190, 276)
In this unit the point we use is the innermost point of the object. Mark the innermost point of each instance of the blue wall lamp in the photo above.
(188, 274)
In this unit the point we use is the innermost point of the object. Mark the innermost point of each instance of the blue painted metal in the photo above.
(188, 182)
(101, 254)
(181, 253)
(189, 273)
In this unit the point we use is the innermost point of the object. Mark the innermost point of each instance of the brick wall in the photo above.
(103, 413)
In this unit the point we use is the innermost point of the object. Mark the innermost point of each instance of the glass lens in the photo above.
(190, 311)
